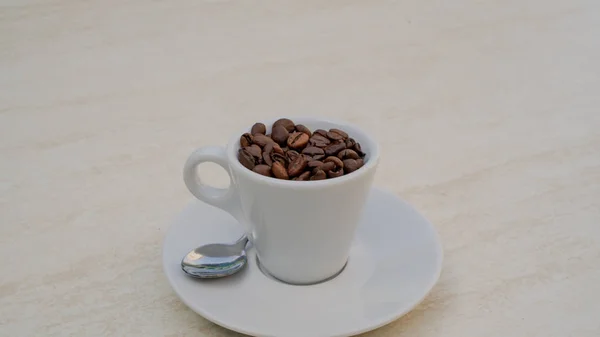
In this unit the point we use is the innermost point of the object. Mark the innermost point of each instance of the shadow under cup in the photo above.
(303, 230)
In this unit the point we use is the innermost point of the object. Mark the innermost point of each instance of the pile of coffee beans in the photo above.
(293, 152)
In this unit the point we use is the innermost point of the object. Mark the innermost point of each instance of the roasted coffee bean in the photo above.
(272, 147)
(297, 140)
(319, 140)
(340, 132)
(279, 171)
(287, 124)
(266, 154)
(246, 158)
(255, 150)
(292, 155)
(304, 176)
(303, 129)
(267, 158)
(336, 134)
(315, 163)
(335, 160)
(297, 166)
(334, 148)
(348, 154)
(259, 128)
(351, 165)
(246, 140)
(328, 166)
(293, 152)
(358, 150)
(265, 170)
(335, 167)
(280, 134)
(321, 165)
(278, 149)
(318, 174)
(276, 157)
(335, 174)
(313, 151)
(262, 140)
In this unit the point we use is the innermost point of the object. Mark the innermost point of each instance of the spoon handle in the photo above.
(242, 242)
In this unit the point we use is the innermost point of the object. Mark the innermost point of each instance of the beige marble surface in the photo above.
(488, 112)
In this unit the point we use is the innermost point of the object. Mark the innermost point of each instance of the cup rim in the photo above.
(370, 163)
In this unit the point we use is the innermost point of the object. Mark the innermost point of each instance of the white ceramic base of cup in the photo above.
(394, 262)
(266, 272)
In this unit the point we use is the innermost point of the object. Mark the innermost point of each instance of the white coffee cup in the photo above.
(302, 230)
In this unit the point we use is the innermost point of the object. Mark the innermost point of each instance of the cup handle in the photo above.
(226, 199)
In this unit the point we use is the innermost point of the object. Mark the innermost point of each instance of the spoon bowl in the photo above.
(216, 260)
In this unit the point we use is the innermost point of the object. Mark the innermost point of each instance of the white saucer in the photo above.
(395, 260)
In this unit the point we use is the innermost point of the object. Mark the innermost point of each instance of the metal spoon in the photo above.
(216, 260)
